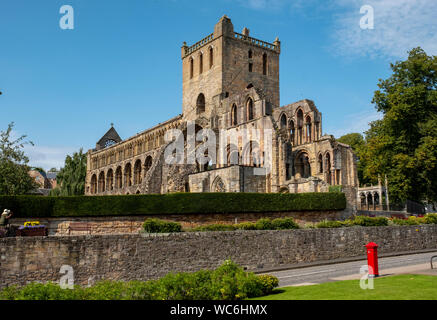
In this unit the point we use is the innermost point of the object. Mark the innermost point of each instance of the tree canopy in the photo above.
(14, 177)
(358, 145)
(71, 178)
(403, 145)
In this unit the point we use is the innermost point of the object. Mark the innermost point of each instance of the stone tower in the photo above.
(225, 63)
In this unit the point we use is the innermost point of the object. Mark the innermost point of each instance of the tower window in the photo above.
(250, 54)
(200, 104)
(250, 67)
(234, 115)
(249, 109)
(201, 63)
(191, 68)
(211, 57)
(264, 64)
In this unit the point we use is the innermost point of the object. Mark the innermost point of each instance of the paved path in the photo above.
(413, 263)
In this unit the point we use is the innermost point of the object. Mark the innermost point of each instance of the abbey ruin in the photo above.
(230, 83)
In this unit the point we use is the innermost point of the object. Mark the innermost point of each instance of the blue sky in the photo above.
(121, 62)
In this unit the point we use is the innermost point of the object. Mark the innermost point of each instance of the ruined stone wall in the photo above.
(144, 257)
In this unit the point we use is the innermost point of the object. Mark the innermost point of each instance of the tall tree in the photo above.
(403, 144)
(71, 178)
(358, 145)
(14, 177)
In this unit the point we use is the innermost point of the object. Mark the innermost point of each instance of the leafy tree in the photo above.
(403, 144)
(14, 177)
(71, 178)
(358, 145)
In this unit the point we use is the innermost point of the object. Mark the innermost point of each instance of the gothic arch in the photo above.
(110, 180)
(93, 184)
(250, 112)
(101, 182)
(200, 103)
(137, 172)
(218, 185)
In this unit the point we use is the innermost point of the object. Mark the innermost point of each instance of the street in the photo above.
(413, 263)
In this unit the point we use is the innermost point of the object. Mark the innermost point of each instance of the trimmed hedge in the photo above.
(175, 203)
(261, 224)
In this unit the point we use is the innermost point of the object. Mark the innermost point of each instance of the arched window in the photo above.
(283, 121)
(233, 156)
(328, 167)
(128, 175)
(137, 172)
(147, 164)
(308, 129)
(110, 180)
(201, 63)
(234, 120)
(118, 178)
(94, 184)
(102, 182)
(200, 104)
(292, 132)
(264, 64)
(303, 166)
(191, 68)
(249, 106)
(211, 57)
(300, 126)
(320, 163)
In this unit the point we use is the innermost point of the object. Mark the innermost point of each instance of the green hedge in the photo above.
(175, 203)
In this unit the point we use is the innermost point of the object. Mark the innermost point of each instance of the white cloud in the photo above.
(48, 157)
(399, 26)
(356, 122)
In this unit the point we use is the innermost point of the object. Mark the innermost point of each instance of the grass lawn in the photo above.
(401, 287)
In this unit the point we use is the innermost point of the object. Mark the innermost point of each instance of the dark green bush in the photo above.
(228, 282)
(175, 203)
(264, 224)
(368, 221)
(335, 188)
(161, 226)
(330, 224)
(284, 224)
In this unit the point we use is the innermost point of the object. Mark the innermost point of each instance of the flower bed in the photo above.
(32, 231)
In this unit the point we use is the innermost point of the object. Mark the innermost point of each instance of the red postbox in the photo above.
(372, 259)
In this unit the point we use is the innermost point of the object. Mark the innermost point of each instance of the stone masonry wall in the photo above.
(133, 224)
(150, 256)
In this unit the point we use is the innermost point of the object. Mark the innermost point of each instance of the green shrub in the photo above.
(411, 221)
(330, 224)
(335, 188)
(368, 221)
(284, 224)
(246, 226)
(228, 282)
(161, 226)
(264, 224)
(216, 227)
(268, 283)
(431, 218)
(175, 203)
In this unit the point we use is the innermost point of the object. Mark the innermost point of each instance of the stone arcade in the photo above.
(230, 82)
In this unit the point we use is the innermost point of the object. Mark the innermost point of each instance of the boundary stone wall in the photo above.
(150, 256)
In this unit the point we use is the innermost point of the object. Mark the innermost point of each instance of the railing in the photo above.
(199, 44)
(254, 41)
